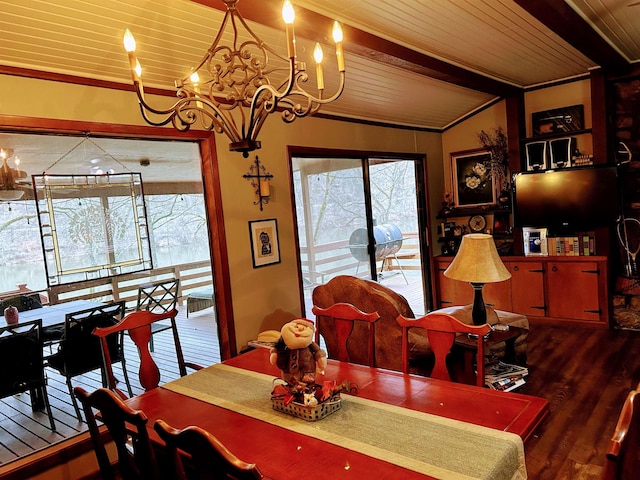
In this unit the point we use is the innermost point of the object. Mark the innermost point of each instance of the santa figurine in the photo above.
(296, 354)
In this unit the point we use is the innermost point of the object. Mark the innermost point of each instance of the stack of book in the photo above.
(579, 244)
(504, 376)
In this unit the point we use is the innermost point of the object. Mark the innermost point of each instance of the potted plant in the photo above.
(496, 143)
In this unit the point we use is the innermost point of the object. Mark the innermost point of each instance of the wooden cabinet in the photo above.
(527, 288)
(498, 295)
(557, 290)
(573, 290)
(450, 292)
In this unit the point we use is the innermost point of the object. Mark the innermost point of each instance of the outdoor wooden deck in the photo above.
(23, 431)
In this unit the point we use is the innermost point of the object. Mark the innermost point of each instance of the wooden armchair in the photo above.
(138, 325)
(442, 330)
(210, 459)
(623, 454)
(136, 458)
(344, 317)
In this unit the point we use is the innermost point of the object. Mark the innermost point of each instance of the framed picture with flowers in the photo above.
(473, 183)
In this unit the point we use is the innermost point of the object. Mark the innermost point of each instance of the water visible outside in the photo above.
(177, 226)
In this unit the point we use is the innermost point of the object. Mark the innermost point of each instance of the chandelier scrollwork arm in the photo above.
(233, 78)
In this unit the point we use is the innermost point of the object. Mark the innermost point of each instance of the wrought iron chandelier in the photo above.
(232, 90)
(9, 177)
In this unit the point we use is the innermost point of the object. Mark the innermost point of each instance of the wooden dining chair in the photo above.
(623, 454)
(22, 364)
(138, 325)
(80, 352)
(441, 331)
(209, 458)
(344, 316)
(160, 297)
(128, 430)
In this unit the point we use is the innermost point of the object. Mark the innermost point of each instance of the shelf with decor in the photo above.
(470, 211)
(552, 136)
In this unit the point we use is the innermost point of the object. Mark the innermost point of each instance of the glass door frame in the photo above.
(422, 203)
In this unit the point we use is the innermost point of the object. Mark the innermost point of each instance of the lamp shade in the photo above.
(477, 261)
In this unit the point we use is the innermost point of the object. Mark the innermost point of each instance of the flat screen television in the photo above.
(573, 199)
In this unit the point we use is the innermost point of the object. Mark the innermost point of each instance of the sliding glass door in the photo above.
(361, 217)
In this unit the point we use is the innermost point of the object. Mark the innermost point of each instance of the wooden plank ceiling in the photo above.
(424, 64)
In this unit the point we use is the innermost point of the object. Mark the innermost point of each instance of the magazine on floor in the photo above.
(500, 370)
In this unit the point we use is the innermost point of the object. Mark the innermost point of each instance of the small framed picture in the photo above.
(472, 178)
(265, 249)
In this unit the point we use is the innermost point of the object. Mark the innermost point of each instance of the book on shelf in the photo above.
(580, 244)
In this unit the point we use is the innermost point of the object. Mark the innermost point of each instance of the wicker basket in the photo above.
(306, 412)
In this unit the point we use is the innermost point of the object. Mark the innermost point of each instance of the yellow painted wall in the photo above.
(575, 93)
(256, 293)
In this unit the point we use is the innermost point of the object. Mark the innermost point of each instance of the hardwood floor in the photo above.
(586, 375)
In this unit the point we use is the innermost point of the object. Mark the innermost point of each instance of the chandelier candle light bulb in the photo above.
(317, 55)
(289, 15)
(130, 48)
(337, 38)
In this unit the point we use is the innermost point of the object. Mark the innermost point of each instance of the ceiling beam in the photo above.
(367, 45)
(565, 22)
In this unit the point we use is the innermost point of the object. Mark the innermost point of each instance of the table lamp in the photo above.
(477, 262)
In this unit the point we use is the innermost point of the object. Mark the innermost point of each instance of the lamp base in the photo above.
(479, 311)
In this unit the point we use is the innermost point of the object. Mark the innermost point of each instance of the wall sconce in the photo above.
(259, 178)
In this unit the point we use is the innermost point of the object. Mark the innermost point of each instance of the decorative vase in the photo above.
(11, 315)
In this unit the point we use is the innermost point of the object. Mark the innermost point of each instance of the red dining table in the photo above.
(284, 454)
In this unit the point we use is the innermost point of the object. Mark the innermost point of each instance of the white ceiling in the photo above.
(418, 63)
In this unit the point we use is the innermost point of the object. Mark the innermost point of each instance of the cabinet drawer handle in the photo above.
(516, 268)
(539, 271)
(539, 308)
(596, 271)
(554, 269)
(594, 311)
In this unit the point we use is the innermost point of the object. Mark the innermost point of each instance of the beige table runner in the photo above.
(428, 444)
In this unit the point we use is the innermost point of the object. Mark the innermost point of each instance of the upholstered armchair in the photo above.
(370, 296)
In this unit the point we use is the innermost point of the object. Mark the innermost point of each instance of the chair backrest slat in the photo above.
(344, 316)
(138, 324)
(209, 458)
(441, 330)
(160, 296)
(136, 458)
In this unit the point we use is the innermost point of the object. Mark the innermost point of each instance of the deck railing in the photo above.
(323, 261)
(193, 276)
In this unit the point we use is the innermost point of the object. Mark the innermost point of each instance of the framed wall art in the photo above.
(473, 184)
(265, 249)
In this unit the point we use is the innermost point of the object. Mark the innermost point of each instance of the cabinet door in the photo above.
(527, 288)
(573, 290)
(451, 292)
(498, 295)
